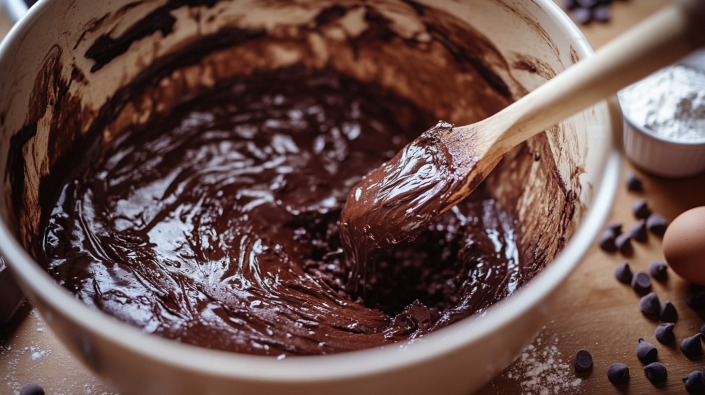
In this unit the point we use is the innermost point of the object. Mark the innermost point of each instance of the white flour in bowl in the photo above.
(670, 102)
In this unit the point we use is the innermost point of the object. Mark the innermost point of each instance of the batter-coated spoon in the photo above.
(433, 173)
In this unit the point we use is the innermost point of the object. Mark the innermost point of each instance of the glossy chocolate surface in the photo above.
(218, 225)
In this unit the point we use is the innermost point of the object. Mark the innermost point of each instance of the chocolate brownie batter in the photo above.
(219, 225)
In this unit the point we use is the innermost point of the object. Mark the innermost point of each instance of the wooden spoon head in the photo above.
(399, 199)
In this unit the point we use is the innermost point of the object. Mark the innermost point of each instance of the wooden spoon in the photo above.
(444, 165)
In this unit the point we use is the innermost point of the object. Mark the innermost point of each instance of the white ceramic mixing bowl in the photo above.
(47, 49)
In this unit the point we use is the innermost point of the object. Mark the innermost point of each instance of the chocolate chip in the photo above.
(638, 231)
(695, 297)
(646, 352)
(607, 241)
(569, 4)
(618, 373)
(623, 243)
(658, 270)
(641, 282)
(624, 273)
(587, 3)
(640, 209)
(32, 389)
(655, 372)
(616, 227)
(581, 15)
(691, 346)
(657, 224)
(668, 312)
(634, 183)
(601, 13)
(694, 383)
(664, 333)
(649, 304)
(582, 361)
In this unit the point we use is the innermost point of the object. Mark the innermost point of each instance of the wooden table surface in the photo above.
(594, 312)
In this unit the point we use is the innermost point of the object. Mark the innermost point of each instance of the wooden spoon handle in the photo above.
(657, 42)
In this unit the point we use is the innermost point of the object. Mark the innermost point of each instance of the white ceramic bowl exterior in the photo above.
(455, 360)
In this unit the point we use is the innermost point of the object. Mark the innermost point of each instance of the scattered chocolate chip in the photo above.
(658, 270)
(587, 3)
(581, 15)
(695, 297)
(623, 243)
(646, 352)
(655, 372)
(616, 227)
(668, 312)
(569, 4)
(638, 231)
(656, 224)
(634, 183)
(607, 241)
(618, 373)
(640, 209)
(694, 383)
(601, 13)
(649, 304)
(624, 273)
(582, 361)
(641, 282)
(691, 346)
(664, 333)
(32, 389)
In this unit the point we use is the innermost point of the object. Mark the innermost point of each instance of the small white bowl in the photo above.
(660, 156)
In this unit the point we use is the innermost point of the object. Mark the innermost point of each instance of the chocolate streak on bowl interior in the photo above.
(355, 40)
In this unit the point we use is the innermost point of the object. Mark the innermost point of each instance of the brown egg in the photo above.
(684, 245)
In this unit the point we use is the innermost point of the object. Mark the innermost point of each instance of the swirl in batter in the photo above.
(218, 226)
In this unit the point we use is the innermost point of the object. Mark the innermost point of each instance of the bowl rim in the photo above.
(322, 368)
